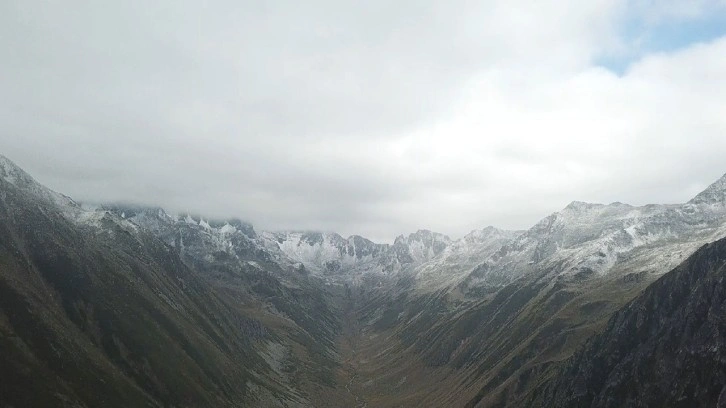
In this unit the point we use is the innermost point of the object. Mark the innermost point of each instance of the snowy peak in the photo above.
(191, 235)
(156, 217)
(363, 247)
(488, 234)
(430, 240)
(424, 235)
(581, 206)
(326, 253)
(585, 238)
(239, 225)
(332, 255)
(132, 211)
(420, 246)
(713, 194)
(13, 174)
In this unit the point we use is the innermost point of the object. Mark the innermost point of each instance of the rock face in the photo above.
(666, 348)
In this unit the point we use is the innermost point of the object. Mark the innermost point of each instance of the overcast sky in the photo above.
(373, 117)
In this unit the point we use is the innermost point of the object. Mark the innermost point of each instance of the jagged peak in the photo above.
(421, 235)
(309, 237)
(360, 239)
(713, 194)
(16, 176)
(13, 174)
(582, 205)
(127, 210)
(489, 231)
(484, 232)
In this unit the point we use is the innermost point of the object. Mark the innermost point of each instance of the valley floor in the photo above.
(376, 371)
(349, 343)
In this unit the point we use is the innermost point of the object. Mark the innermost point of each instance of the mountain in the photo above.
(332, 255)
(14, 176)
(596, 240)
(667, 347)
(419, 247)
(125, 305)
(484, 333)
(326, 255)
(714, 195)
(96, 311)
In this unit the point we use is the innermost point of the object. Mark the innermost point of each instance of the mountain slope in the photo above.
(95, 311)
(665, 348)
(108, 319)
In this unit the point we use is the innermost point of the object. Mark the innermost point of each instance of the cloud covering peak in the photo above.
(374, 118)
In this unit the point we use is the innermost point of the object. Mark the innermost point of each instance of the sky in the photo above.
(376, 118)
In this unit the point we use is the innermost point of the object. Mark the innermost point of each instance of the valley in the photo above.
(147, 308)
(350, 343)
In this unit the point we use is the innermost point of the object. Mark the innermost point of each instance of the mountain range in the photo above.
(126, 305)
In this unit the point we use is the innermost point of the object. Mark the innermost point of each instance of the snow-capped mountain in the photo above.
(193, 235)
(582, 240)
(16, 176)
(585, 240)
(462, 256)
(327, 253)
(420, 246)
(713, 195)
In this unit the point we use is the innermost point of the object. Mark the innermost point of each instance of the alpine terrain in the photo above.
(120, 305)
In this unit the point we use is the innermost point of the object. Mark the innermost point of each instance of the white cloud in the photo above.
(374, 118)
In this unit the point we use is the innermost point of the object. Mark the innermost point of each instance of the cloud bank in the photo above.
(371, 118)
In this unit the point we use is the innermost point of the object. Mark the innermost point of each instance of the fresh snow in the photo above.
(581, 240)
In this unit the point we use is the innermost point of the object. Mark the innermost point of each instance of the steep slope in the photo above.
(666, 348)
(95, 311)
(107, 319)
(300, 309)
